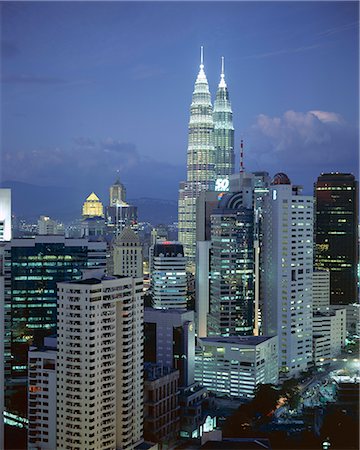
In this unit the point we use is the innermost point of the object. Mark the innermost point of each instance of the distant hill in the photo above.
(64, 203)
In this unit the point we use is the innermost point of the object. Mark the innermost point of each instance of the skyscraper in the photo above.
(5, 215)
(168, 283)
(117, 193)
(223, 131)
(336, 234)
(200, 161)
(287, 271)
(100, 363)
(127, 254)
(232, 268)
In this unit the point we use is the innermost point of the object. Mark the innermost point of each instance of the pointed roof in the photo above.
(127, 235)
(222, 83)
(93, 197)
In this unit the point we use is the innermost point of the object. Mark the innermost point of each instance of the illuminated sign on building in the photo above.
(222, 184)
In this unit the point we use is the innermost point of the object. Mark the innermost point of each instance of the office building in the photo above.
(232, 268)
(2, 368)
(5, 214)
(168, 283)
(202, 287)
(330, 324)
(287, 271)
(32, 269)
(127, 254)
(223, 131)
(200, 162)
(321, 289)
(170, 340)
(161, 403)
(42, 396)
(234, 366)
(100, 363)
(49, 226)
(336, 234)
(92, 207)
(117, 193)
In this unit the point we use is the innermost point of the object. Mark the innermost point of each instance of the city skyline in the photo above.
(88, 75)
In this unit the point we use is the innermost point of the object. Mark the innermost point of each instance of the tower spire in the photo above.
(222, 83)
(201, 57)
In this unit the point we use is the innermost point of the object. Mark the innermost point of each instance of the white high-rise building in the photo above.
(331, 324)
(5, 215)
(49, 226)
(321, 289)
(100, 363)
(168, 275)
(127, 254)
(287, 271)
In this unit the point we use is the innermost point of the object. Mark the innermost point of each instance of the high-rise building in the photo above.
(223, 131)
(32, 269)
(2, 368)
(234, 366)
(92, 207)
(161, 403)
(321, 289)
(200, 162)
(336, 234)
(168, 284)
(5, 215)
(170, 340)
(117, 193)
(232, 268)
(120, 214)
(287, 270)
(42, 396)
(100, 363)
(127, 254)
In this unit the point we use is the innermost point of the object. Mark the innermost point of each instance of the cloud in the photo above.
(283, 51)
(93, 165)
(31, 79)
(303, 143)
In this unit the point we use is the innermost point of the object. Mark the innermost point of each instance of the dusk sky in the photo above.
(91, 88)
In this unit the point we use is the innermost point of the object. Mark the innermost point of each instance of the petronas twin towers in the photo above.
(210, 154)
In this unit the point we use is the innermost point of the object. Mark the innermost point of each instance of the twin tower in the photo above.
(210, 153)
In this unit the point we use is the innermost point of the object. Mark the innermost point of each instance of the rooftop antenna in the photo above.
(201, 57)
(222, 67)
(241, 156)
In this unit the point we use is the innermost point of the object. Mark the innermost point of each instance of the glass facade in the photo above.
(336, 234)
(223, 132)
(232, 269)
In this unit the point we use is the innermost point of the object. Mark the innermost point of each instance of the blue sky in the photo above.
(89, 88)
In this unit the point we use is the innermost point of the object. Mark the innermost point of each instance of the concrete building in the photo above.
(331, 322)
(321, 289)
(127, 254)
(100, 363)
(49, 226)
(42, 396)
(234, 366)
(287, 271)
(168, 282)
(170, 340)
(161, 403)
(5, 214)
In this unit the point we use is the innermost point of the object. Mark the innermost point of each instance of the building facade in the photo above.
(287, 270)
(321, 289)
(223, 131)
(336, 234)
(168, 281)
(200, 162)
(5, 215)
(92, 207)
(42, 396)
(234, 366)
(232, 268)
(127, 254)
(100, 363)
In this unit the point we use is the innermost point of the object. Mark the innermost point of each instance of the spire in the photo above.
(222, 83)
(201, 75)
